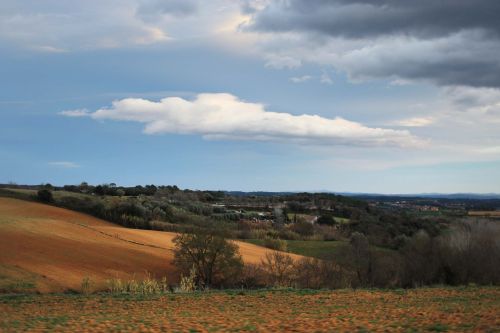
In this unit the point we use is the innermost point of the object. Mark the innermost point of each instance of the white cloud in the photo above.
(325, 78)
(88, 25)
(75, 113)
(64, 164)
(280, 61)
(415, 122)
(60, 26)
(49, 49)
(224, 116)
(300, 79)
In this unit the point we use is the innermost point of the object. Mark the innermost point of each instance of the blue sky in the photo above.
(249, 95)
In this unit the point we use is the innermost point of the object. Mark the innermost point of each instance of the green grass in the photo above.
(16, 280)
(317, 249)
(306, 217)
(341, 220)
(27, 194)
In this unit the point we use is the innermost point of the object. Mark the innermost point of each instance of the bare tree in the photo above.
(361, 257)
(216, 260)
(279, 269)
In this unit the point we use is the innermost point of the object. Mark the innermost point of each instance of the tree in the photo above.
(45, 195)
(216, 260)
(279, 269)
(361, 257)
(99, 190)
(326, 220)
(420, 260)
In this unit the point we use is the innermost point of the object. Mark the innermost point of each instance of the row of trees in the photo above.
(468, 253)
(196, 209)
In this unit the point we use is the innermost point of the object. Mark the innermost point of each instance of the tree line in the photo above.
(468, 253)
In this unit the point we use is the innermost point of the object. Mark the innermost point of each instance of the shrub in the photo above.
(326, 220)
(278, 269)
(146, 286)
(252, 276)
(303, 228)
(315, 274)
(45, 195)
(116, 286)
(86, 285)
(288, 234)
(420, 260)
(149, 286)
(275, 244)
(470, 253)
(188, 283)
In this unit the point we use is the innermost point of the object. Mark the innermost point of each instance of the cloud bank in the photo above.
(448, 42)
(224, 116)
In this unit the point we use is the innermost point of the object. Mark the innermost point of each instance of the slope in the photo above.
(49, 249)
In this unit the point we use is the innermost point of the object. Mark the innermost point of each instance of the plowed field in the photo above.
(49, 249)
(429, 309)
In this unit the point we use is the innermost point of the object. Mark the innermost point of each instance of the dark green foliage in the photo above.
(45, 195)
(326, 220)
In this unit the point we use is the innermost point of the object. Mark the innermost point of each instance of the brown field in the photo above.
(417, 310)
(49, 249)
(485, 213)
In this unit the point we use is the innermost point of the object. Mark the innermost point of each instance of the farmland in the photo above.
(426, 309)
(49, 249)
(492, 214)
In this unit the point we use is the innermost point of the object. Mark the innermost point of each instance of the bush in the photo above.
(313, 273)
(303, 228)
(275, 244)
(278, 269)
(326, 220)
(327, 233)
(188, 283)
(86, 285)
(288, 234)
(470, 253)
(146, 286)
(252, 276)
(45, 195)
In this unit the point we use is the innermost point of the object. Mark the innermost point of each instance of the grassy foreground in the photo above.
(427, 309)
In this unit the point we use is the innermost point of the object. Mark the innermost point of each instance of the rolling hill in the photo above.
(49, 249)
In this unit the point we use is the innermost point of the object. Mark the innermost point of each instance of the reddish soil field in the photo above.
(429, 309)
(484, 213)
(49, 249)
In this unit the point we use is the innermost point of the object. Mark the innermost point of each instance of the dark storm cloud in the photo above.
(369, 18)
(448, 42)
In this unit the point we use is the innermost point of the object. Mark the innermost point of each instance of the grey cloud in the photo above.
(467, 58)
(369, 18)
(447, 42)
(154, 8)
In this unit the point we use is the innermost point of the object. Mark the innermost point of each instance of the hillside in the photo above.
(45, 249)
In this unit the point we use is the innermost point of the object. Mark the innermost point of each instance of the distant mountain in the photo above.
(360, 195)
(461, 196)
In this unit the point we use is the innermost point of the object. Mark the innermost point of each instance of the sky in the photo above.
(277, 95)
